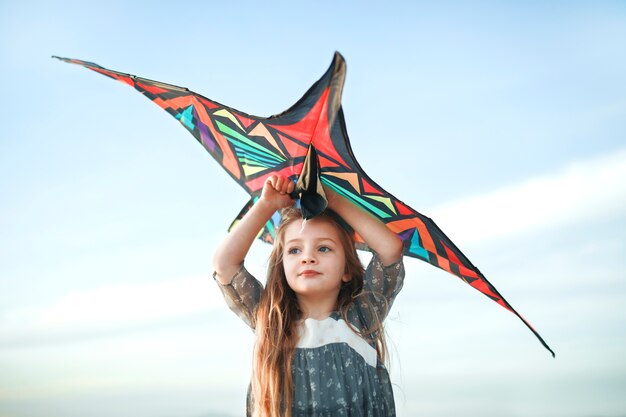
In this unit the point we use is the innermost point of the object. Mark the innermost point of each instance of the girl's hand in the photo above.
(276, 192)
(231, 253)
(378, 237)
(331, 197)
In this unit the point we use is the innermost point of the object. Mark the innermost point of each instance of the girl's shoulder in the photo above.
(242, 295)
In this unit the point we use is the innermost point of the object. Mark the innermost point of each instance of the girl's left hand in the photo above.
(331, 197)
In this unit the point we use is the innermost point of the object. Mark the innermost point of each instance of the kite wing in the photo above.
(252, 148)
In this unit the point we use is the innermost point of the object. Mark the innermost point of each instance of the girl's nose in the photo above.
(308, 259)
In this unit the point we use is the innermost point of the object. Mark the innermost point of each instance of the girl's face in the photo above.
(314, 259)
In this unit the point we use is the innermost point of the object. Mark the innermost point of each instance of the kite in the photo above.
(252, 148)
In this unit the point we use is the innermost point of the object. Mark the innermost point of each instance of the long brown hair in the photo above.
(278, 316)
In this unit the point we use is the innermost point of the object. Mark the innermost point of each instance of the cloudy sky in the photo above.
(505, 122)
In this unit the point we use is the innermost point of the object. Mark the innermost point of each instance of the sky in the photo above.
(505, 122)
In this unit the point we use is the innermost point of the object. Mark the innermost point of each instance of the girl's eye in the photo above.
(324, 249)
(293, 251)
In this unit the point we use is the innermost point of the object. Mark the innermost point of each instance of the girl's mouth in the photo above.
(308, 273)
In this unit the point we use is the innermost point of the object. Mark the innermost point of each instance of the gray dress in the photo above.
(336, 372)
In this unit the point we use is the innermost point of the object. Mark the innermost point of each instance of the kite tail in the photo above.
(503, 302)
(489, 290)
(545, 345)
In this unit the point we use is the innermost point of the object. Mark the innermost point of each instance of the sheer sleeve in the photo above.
(242, 295)
(385, 281)
(380, 287)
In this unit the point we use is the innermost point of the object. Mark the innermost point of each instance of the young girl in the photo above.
(320, 347)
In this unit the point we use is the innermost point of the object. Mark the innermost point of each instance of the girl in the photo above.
(320, 348)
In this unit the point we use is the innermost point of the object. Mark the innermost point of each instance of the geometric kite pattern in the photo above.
(251, 148)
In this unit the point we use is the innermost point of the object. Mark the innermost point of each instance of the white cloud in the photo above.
(130, 303)
(582, 190)
(111, 308)
(591, 188)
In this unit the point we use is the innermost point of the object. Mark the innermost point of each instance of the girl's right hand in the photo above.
(231, 253)
(276, 192)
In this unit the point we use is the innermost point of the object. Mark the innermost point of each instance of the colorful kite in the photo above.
(252, 148)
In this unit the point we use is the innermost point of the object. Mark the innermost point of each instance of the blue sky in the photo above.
(503, 121)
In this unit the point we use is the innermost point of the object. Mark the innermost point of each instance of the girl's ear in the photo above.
(346, 277)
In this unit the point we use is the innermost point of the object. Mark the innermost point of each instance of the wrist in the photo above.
(335, 201)
(331, 197)
(266, 206)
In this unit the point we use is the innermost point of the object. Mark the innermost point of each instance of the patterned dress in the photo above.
(336, 372)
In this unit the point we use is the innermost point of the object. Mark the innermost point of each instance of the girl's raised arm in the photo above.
(378, 237)
(230, 254)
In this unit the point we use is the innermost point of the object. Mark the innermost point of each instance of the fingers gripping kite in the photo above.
(309, 144)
